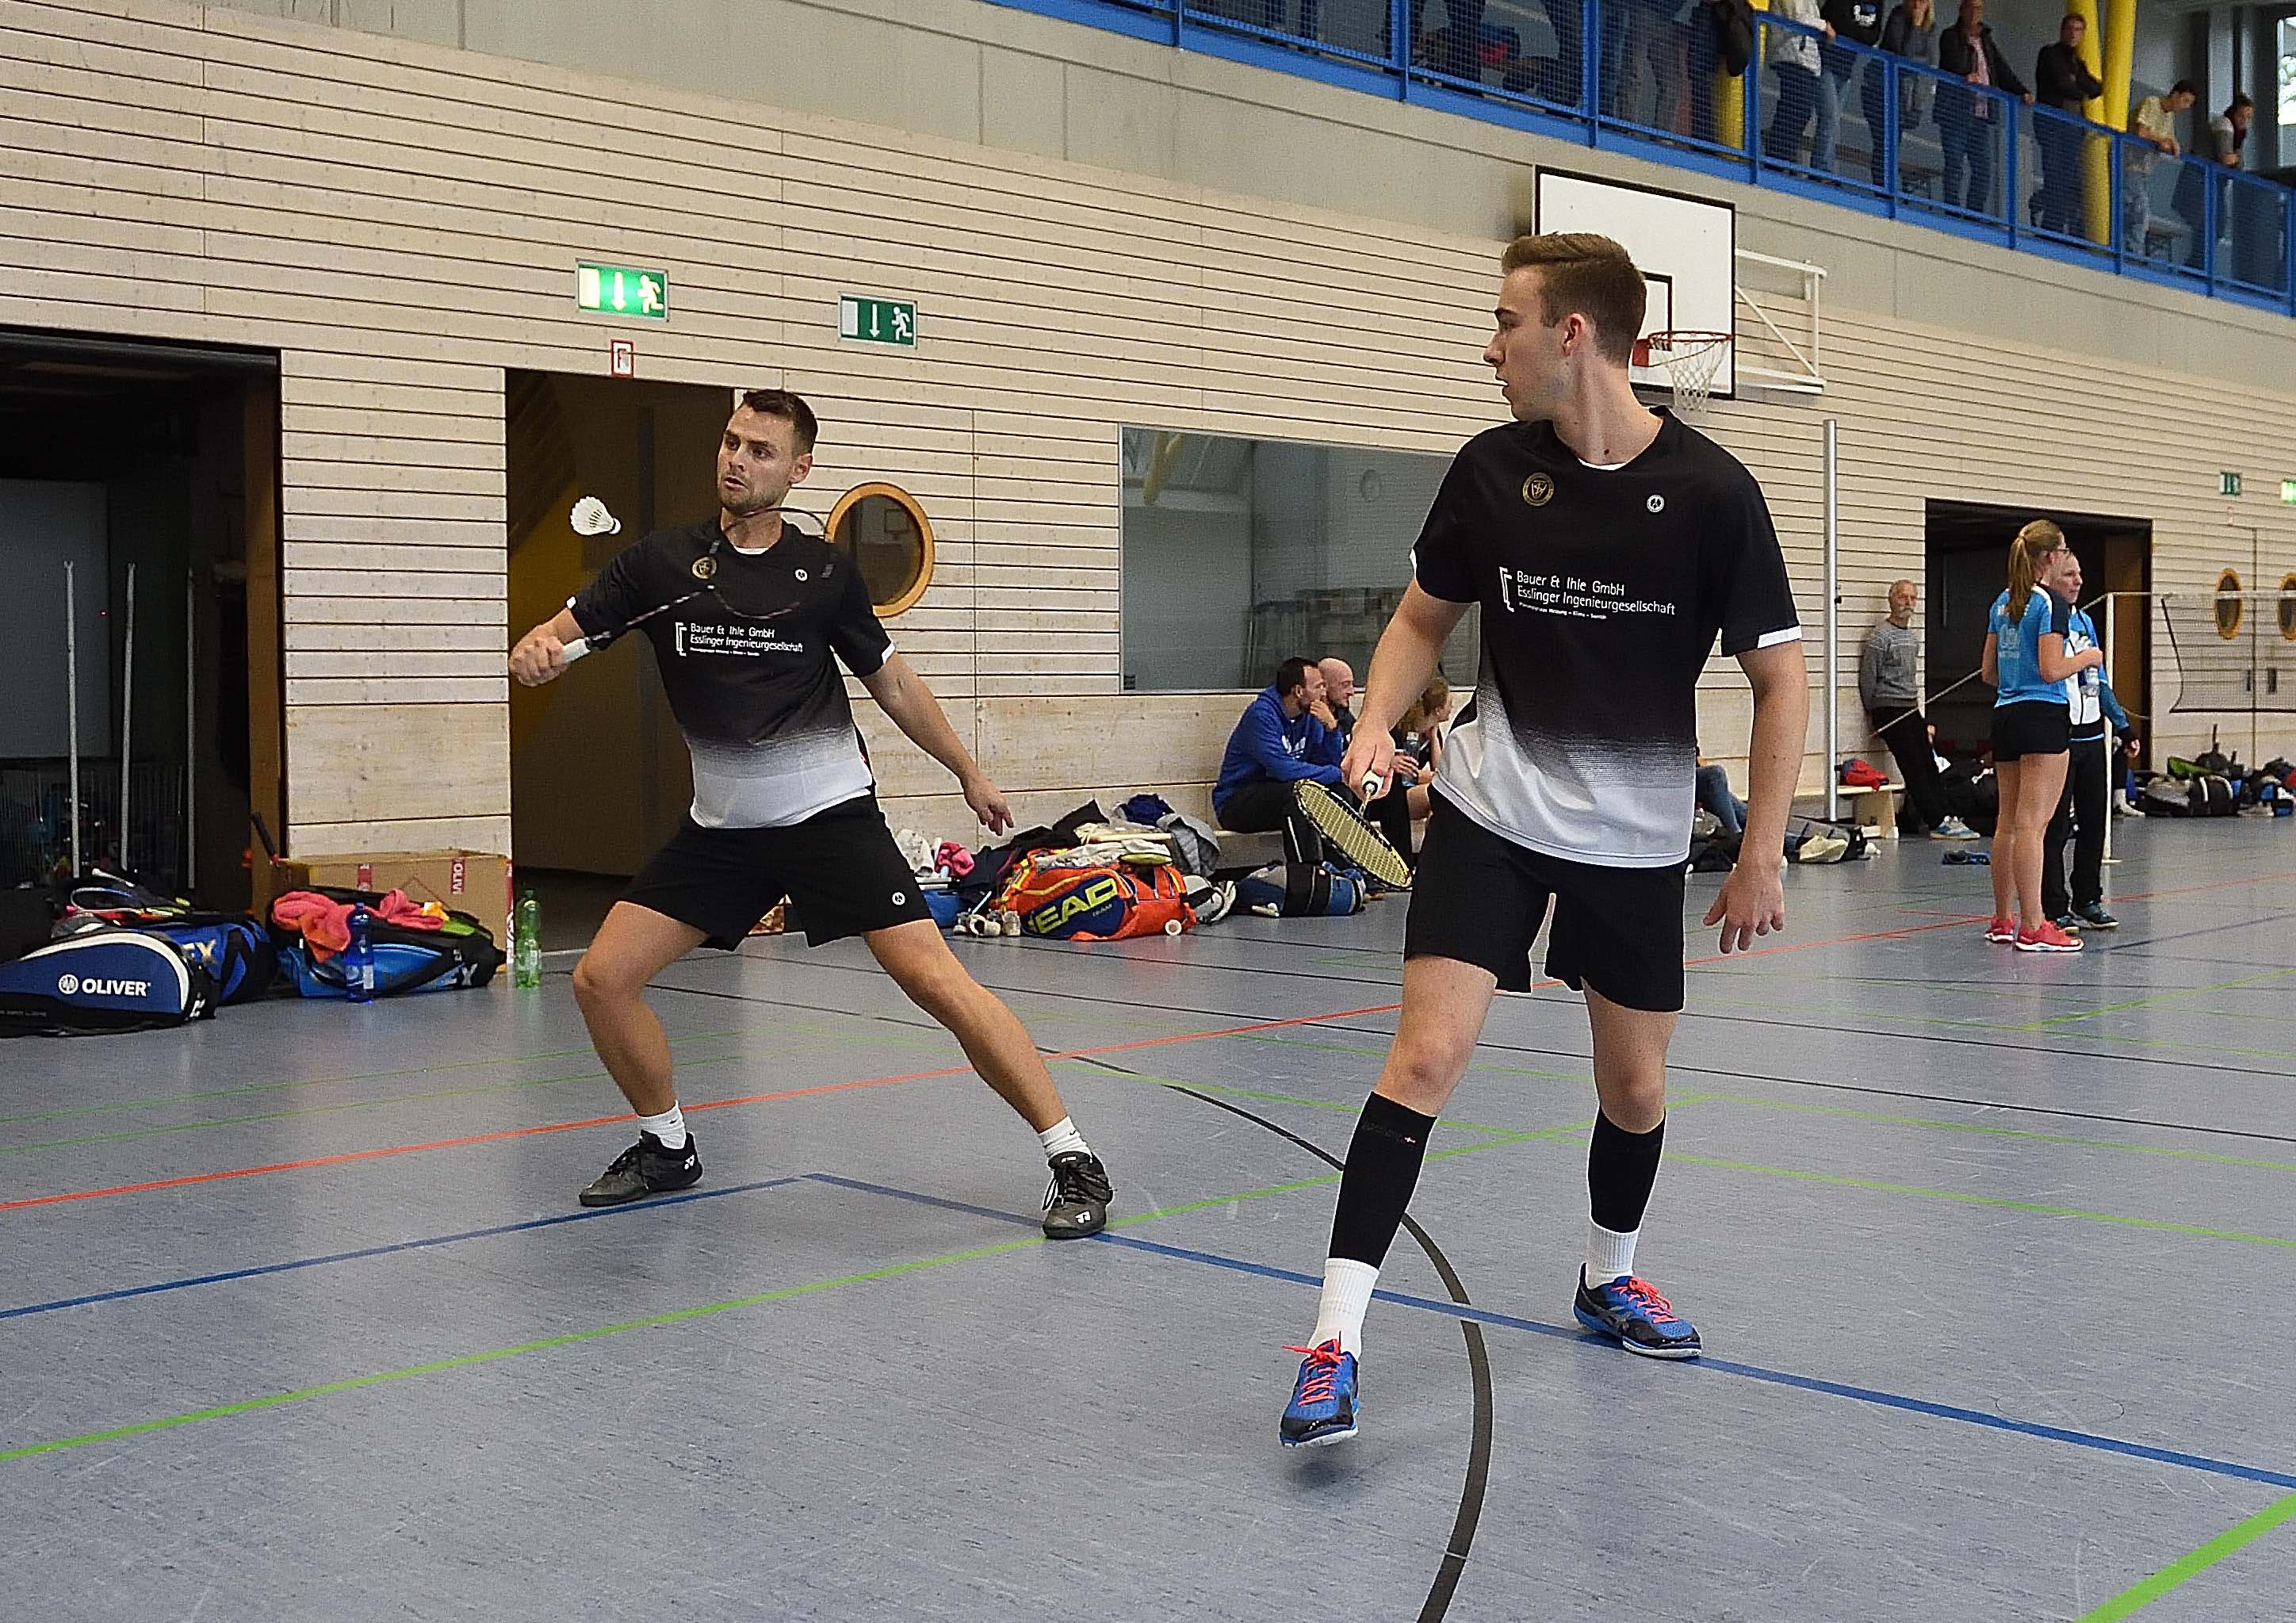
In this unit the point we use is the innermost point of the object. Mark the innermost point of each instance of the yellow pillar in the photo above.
(2096, 155)
(2119, 40)
(1730, 91)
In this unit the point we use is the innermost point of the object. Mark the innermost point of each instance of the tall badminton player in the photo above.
(784, 803)
(1607, 545)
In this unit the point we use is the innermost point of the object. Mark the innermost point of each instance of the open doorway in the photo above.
(599, 776)
(151, 470)
(1968, 548)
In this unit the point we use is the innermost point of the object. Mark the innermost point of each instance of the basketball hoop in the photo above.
(1690, 361)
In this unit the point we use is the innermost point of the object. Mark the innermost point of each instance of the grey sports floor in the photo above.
(1993, 1255)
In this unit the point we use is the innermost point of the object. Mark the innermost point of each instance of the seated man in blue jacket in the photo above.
(1287, 733)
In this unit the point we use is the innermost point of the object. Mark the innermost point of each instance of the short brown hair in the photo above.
(1590, 275)
(790, 407)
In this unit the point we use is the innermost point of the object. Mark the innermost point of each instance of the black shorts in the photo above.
(2031, 726)
(839, 868)
(1480, 899)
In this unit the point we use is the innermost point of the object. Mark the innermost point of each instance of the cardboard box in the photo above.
(475, 883)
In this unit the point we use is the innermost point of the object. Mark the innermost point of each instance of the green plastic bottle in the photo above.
(527, 949)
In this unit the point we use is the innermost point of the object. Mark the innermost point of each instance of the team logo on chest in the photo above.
(1538, 490)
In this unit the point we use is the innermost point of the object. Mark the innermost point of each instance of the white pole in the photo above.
(2111, 744)
(1833, 620)
(126, 712)
(72, 710)
(191, 729)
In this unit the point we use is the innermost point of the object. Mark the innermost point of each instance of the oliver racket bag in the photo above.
(103, 980)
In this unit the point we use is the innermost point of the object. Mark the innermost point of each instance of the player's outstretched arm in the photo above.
(902, 694)
(1753, 902)
(1408, 652)
(540, 655)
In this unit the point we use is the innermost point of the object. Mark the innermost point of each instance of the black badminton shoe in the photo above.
(1637, 1317)
(1075, 1201)
(648, 1166)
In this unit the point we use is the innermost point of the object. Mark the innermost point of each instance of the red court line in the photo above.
(958, 1070)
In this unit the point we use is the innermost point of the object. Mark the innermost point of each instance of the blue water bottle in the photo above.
(358, 958)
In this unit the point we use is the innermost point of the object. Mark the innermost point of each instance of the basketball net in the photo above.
(1691, 362)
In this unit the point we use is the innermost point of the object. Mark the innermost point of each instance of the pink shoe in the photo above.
(2004, 930)
(2047, 938)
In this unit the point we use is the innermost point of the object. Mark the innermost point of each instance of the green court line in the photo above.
(356, 1076)
(2185, 1568)
(1987, 1130)
(2158, 997)
(707, 1310)
(2002, 1202)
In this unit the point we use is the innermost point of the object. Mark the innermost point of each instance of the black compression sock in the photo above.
(1381, 1171)
(1621, 1166)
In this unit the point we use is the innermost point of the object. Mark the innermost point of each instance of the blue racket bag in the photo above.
(236, 949)
(102, 980)
(405, 961)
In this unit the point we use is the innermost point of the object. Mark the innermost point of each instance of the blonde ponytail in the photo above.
(2033, 544)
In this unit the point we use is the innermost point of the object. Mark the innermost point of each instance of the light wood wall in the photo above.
(401, 222)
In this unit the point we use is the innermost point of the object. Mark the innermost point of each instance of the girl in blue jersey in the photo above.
(2033, 677)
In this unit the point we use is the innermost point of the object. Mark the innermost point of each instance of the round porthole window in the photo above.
(884, 530)
(2228, 605)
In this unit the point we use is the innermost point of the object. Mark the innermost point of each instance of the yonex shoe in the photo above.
(2068, 922)
(1075, 1201)
(2004, 930)
(1322, 1407)
(2095, 917)
(1637, 1317)
(2047, 938)
(647, 1166)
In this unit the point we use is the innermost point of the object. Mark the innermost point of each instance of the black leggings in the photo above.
(1265, 806)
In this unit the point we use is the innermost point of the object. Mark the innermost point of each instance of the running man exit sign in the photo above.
(620, 290)
(876, 321)
(2227, 484)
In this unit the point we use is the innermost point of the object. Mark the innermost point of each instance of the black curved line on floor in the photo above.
(1479, 1365)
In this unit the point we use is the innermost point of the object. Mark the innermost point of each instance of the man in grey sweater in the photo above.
(1892, 697)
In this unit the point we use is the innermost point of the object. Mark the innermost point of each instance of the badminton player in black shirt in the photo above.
(1607, 545)
(784, 805)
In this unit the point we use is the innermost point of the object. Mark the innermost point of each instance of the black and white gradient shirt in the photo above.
(761, 705)
(1602, 591)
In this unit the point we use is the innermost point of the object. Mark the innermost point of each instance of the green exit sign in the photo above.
(2288, 491)
(620, 289)
(876, 321)
(2227, 484)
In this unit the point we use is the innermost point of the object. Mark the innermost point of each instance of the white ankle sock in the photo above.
(1061, 1138)
(669, 1127)
(1348, 1285)
(1610, 1255)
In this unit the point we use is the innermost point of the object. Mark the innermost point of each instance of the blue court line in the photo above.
(1751, 1372)
(385, 1250)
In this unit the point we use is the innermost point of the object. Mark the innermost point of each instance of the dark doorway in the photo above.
(1968, 545)
(599, 774)
(123, 455)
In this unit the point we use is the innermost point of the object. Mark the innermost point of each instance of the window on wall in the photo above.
(2287, 53)
(1238, 553)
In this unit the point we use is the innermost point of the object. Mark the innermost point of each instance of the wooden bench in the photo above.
(1873, 810)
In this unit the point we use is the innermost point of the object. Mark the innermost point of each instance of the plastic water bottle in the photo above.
(358, 958)
(526, 946)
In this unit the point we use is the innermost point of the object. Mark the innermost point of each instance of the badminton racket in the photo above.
(1352, 834)
(759, 605)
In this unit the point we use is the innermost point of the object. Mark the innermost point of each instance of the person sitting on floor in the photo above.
(1287, 733)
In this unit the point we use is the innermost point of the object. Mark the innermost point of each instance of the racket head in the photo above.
(1351, 834)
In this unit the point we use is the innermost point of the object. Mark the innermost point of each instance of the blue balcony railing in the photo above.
(1818, 117)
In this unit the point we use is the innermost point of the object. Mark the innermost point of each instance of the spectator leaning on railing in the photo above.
(2154, 122)
(1792, 57)
(2219, 146)
(1912, 33)
(2061, 80)
(1970, 124)
(1859, 22)
(1726, 28)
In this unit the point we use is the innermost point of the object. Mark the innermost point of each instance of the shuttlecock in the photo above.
(590, 518)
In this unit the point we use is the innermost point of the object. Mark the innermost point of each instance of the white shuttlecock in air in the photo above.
(590, 518)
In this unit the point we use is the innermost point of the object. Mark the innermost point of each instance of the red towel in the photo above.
(326, 924)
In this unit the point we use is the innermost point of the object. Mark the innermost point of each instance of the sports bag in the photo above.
(2165, 797)
(405, 961)
(235, 948)
(1103, 902)
(1295, 891)
(102, 980)
(2212, 797)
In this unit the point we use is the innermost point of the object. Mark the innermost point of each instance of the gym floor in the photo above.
(1992, 1252)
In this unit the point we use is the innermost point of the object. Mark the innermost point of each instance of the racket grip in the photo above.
(579, 648)
(1373, 786)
